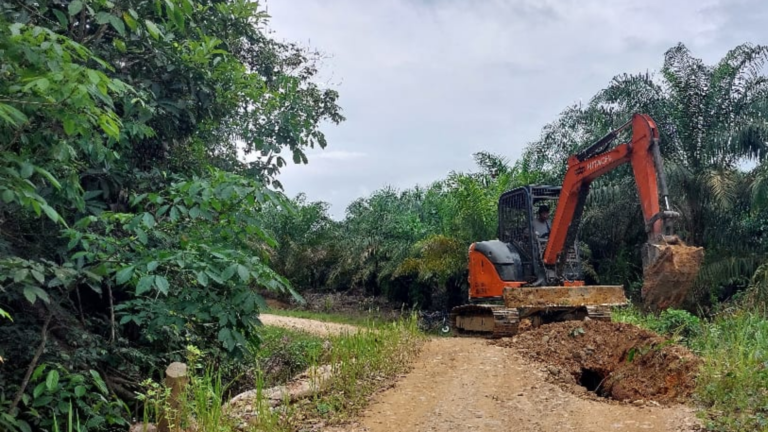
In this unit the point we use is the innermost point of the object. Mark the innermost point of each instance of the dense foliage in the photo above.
(129, 224)
(408, 245)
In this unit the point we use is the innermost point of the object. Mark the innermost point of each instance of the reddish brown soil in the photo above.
(614, 360)
(667, 281)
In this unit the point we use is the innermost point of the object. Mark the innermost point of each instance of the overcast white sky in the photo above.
(426, 83)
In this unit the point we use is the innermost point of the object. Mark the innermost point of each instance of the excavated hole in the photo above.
(593, 381)
(611, 360)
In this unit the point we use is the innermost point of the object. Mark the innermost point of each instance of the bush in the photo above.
(59, 395)
(680, 323)
(675, 323)
(734, 378)
(285, 353)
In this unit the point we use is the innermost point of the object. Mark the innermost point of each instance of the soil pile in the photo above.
(614, 360)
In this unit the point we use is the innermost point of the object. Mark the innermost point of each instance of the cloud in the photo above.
(425, 83)
(337, 155)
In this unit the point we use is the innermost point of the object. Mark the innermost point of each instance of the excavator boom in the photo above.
(669, 266)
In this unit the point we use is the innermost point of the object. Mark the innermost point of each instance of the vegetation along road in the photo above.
(153, 156)
(469, 384)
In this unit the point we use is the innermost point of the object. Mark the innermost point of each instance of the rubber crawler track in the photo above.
(506, 321)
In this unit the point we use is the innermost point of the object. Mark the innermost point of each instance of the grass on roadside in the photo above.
(284, 353)
(733, 382)
(363, 362)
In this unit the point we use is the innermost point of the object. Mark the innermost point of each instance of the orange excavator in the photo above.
(534, 277)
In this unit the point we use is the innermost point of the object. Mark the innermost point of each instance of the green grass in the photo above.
(732, 386)
(358, 320)
(734, 379)
(363, 363)
(366, 361)
(283, 353)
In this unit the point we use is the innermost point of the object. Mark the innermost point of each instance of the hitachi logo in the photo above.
(598, 163)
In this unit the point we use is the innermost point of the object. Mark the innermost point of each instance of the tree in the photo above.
(308, 242)
(712, 119)
(128, 221)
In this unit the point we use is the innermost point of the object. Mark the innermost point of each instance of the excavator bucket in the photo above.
(669, 272)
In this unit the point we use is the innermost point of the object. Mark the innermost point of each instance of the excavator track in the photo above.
(497, 321)
(492, 321)
(599, 313)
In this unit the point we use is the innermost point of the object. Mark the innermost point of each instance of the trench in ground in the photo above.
(611, 360)
(593, 380)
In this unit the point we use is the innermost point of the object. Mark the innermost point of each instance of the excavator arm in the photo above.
(596, 161)
(642, 152)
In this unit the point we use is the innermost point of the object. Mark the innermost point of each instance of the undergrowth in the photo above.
(732, 385)
(366, 360)
(677, 324)
(283, 353)
(362, 362)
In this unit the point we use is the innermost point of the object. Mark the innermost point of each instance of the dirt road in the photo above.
(317, 327)
(462, 384)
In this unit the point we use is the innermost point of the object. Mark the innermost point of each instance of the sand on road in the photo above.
(319, 328)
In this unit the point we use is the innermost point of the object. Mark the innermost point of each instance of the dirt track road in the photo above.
(311, 326)
(464, 384)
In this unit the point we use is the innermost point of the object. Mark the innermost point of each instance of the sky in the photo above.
(424, 84)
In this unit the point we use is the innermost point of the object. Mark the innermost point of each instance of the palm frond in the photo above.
(720, 271)
(436, 257)
(627, 94)
(721, 185)
(758, 287)
(750, 141)
(491, 164)
(759, 186)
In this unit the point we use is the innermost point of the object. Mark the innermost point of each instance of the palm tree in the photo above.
(712, 120)
(307, 241)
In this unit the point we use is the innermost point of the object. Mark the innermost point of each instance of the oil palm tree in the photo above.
(712, 119)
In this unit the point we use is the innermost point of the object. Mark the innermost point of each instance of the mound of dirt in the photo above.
(614, 360)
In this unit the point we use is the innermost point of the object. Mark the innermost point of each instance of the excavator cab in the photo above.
(517, 210)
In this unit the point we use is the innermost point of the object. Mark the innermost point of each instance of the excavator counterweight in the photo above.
(535, 277)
